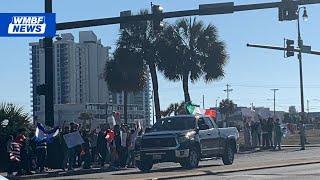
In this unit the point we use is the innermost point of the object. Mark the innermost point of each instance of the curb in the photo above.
(208, 172)
(298, 146)
(63, 173)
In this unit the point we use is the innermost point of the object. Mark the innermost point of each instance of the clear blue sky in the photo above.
(251, 72)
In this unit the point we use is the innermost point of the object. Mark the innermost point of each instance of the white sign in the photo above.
(124, 139)
(73, 139)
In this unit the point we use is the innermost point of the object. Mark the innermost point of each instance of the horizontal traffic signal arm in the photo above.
(207, 9)
(281, 48)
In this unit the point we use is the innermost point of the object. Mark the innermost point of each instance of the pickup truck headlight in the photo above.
(186, 137)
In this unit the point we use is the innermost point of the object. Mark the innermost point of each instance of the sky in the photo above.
(251, 72)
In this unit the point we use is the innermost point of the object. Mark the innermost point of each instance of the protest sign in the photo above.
(73, 139)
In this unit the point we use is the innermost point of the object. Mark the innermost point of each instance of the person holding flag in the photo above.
(42, 137)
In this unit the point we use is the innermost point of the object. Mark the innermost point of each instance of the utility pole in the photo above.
(274, 101)
(202, 101)
(308, 109)
(217, 102)
(48, 53)
(228, 90)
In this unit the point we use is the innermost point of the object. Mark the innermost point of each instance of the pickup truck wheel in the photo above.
(192, 161)
(145, 165)
(228, 156)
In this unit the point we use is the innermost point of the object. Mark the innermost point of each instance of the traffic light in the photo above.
(288, 10)
(124, 14)
(41, 89)
(157, 23)
(289, 48)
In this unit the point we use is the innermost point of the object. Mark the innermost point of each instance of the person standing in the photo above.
(247, 134)
(66, 150)
(259, 131)
(24, 154)
(254, 134)
(77, 148)
(116, 153)
(86, 150)
(269, 131)
(72, 150)
(302, 135)
(41, 153)
(277, 135)
(131, 147)
(93, 141)
(102, 146)
(265, 142)
(12, 161)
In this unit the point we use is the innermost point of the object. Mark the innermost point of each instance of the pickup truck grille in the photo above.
(151, 143)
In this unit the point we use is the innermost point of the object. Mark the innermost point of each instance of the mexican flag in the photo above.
(196, 110)
(193, 109)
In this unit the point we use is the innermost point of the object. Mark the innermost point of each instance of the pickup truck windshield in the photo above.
(174, 124)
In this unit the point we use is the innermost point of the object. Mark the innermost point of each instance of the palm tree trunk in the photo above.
(125, 106)
(154, 78)
(185, 85)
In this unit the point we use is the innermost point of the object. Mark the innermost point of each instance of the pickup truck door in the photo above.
(206, 137)
(215, 137)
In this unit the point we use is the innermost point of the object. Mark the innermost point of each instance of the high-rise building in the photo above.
(78, 69)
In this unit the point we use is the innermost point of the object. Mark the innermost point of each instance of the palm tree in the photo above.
(171, 109)
(12, 118)
(125, 73)
(189, 50)
(140, 38)
(176, 108)
(227, 107)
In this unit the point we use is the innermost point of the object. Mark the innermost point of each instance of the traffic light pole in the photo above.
(48, 53)
(280, 48)
(209, 9)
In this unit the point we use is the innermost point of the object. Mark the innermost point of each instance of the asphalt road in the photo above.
(258, 165)
(309, 172)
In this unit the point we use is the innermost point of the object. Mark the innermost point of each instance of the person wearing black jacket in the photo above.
(102, 147)
(41, 153)
(117, 144)
(270, 126)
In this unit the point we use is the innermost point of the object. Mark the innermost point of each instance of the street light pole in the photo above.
(274, 101)
(300, 45)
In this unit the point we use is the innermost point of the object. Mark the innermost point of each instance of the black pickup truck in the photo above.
(185, 139)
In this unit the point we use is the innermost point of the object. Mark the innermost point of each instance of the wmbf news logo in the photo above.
(27, 24)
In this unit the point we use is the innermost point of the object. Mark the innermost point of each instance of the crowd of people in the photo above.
(107, 145)
(265, 133)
